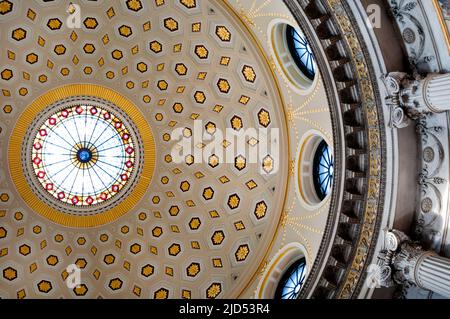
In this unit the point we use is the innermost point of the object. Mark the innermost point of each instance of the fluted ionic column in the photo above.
(433, 273)
(436, 92)
(416, 96)
(407, 262)
(430, 94)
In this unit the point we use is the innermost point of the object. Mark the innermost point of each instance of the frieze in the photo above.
(359, 92)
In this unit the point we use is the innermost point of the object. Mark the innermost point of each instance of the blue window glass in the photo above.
(323, 170)
(292, 281)
(301, 52)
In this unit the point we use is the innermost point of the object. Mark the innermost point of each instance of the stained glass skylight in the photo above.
(83, 155)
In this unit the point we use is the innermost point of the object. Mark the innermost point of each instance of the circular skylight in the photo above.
(83, 155)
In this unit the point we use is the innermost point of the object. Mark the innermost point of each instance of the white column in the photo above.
(433, 273)
(436, 92)
(410, 263)
(430, 94)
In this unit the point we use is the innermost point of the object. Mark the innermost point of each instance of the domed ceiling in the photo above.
(89, 174)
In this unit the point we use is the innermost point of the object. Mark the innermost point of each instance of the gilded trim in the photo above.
(269, 271)
(368, 231)
(364, 91)
(443, 24)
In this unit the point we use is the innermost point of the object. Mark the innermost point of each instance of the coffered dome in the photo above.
(224, 149)
(98, 101)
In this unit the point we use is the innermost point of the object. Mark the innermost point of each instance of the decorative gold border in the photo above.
(368, 101)
(443, 24)
(18, 135)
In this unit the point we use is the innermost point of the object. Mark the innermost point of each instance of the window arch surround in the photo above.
(278, 267)
(315, 169)
(294, 56)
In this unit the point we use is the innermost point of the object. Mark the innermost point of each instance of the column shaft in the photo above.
(436, 92)
(433, 273)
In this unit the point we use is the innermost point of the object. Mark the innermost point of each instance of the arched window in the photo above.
(323, 170)
(301, 52)
(292, 281)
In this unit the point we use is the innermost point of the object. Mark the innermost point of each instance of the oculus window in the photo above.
(292, 281)
(323, 170)
(301, 52)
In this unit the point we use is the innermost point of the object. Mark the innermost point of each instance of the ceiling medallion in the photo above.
(82, 156)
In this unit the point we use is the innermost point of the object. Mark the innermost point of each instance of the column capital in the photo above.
(394, 238)
(401, 259)
(416, 96)
(405, 262)
(393, 84)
